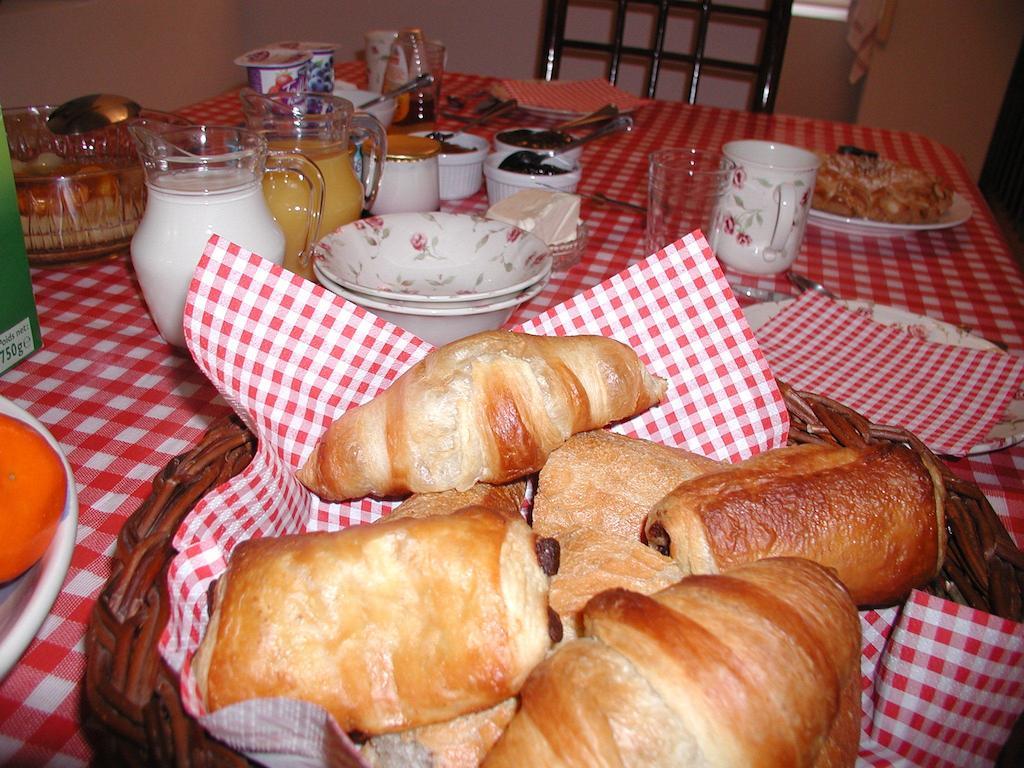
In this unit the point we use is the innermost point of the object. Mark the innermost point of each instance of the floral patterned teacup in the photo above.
(761, 213)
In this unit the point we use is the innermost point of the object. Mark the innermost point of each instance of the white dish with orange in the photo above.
(26, 599)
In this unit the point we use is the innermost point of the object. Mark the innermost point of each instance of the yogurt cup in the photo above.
(320, 70)
(273, 70)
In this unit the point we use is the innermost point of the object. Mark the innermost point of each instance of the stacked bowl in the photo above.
(441, 276)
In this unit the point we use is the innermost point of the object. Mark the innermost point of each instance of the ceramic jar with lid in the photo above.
(410, 182)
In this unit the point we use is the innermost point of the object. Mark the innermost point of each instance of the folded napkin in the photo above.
(569, 95)
(949, 396)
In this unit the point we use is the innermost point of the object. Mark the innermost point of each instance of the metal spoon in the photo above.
(805, 283)
(420, 82)
(87, 113)
(525, 158)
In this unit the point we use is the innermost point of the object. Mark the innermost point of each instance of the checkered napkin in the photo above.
(942, 683)
(949, 396)
(290, 356)
(569, 95)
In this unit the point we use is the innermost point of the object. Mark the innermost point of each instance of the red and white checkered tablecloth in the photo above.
(122, 403)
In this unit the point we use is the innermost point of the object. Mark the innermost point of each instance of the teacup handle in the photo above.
(307, 170)
(370, 169)
(785, 195)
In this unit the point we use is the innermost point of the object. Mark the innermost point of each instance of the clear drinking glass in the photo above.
(683, 186)
(413, 55)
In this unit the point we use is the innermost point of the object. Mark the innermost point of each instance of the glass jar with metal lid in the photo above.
(410, 182)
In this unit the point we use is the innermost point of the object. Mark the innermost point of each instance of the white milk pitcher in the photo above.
(200, 181)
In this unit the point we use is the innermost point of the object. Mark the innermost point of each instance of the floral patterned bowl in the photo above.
(432, 257)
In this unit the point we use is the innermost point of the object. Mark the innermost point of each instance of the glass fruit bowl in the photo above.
(79, 196)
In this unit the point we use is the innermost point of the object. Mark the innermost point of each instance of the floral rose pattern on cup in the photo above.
(738, 225)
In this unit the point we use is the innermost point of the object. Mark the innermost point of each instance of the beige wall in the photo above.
(150, 50)
(942, 73)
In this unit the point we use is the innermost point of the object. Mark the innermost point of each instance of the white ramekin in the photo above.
(501, 184)
(500, 147)
(462, 173)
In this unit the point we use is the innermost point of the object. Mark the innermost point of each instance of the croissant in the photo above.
(875, 515)
(760, 666)
(487, 408)
(388, 626)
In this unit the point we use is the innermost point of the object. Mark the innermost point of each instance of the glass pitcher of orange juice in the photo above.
(325, 129)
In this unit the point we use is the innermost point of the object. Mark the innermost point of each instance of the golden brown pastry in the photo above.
(875, 515)
(387, 626)
(608, 482)
(487, 408)
(870, 187)
(506, 499)
(592, 561)
(458, 743)
(759, 666)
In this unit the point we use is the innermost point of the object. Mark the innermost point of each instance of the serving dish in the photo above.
(505, 148)
(80, 196)
(433, 303)
(958, 213)
(438, 323)
(460, 164)
(26, 600)
(502, 183)
(1006, 433)
(432, 257)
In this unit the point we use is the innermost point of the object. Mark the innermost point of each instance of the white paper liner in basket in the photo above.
(290, 356)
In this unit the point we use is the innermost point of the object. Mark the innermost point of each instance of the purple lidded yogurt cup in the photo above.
(274, 70)
(320, 70)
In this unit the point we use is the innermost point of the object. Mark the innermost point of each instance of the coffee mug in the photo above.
(761, 214)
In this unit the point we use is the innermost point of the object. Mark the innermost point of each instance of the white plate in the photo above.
(25, 601)
(558, 114)
(1006, 433)
(564, 114)
(958, 213)
(436, 256)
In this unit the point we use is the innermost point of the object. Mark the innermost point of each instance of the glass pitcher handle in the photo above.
(307, 170)
(370, 166)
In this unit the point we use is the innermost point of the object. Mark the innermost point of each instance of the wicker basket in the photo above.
(132, 709)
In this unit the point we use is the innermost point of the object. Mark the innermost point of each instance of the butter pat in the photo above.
(551, 216)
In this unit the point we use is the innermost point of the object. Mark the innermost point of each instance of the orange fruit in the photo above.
(32, 491)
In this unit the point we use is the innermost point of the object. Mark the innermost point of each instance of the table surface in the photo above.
(122, 403)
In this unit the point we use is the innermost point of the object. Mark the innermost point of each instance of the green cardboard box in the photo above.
(19, 323)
